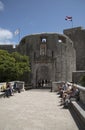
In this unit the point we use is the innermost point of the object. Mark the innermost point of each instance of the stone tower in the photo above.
(77, 35)
(52, 56)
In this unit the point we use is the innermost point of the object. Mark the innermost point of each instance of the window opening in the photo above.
(43, 40)
(61, 39)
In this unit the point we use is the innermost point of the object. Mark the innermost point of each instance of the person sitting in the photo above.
(16, 87)
(8, 91)
(72, 94)
(63, 89)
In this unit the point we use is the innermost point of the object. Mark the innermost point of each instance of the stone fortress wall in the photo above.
(9, 48)
(54, 56)
(77, 35)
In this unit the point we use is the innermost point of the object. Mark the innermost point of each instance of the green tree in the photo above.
(13, 66)
(7, 66)
(22, 64)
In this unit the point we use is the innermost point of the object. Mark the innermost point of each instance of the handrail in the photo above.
(80, 87)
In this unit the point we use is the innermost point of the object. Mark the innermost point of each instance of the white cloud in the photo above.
(5, 34)
(6, 37)
(1, 6)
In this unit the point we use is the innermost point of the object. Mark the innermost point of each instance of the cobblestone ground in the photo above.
(34, 110)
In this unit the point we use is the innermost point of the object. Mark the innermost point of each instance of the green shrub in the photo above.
(82, 81)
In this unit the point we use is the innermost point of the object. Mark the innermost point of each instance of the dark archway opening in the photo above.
(43, 77)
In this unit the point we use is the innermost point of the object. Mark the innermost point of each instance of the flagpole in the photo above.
(72, 22)
(19, 35)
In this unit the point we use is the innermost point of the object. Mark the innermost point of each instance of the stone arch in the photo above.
(43, 74)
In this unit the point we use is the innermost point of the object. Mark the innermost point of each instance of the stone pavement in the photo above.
(34, 110)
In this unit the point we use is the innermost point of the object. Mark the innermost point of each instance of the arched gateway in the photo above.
(52, 57)
(43, 75)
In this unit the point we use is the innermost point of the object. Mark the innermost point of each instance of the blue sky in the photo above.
(37, 16)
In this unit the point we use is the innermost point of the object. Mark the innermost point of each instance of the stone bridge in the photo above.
(35, 109)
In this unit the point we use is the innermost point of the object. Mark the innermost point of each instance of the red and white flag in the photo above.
(69, 18)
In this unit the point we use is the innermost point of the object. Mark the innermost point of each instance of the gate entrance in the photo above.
(43, 77)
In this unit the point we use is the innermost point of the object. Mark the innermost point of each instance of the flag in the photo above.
(69, 18)
(17, 31)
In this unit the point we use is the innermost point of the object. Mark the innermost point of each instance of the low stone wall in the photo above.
(55, 86)
(2, 85)
(82, 93)
(78, 114)
(21, 84)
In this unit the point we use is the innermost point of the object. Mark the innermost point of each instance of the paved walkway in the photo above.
(34, 110)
